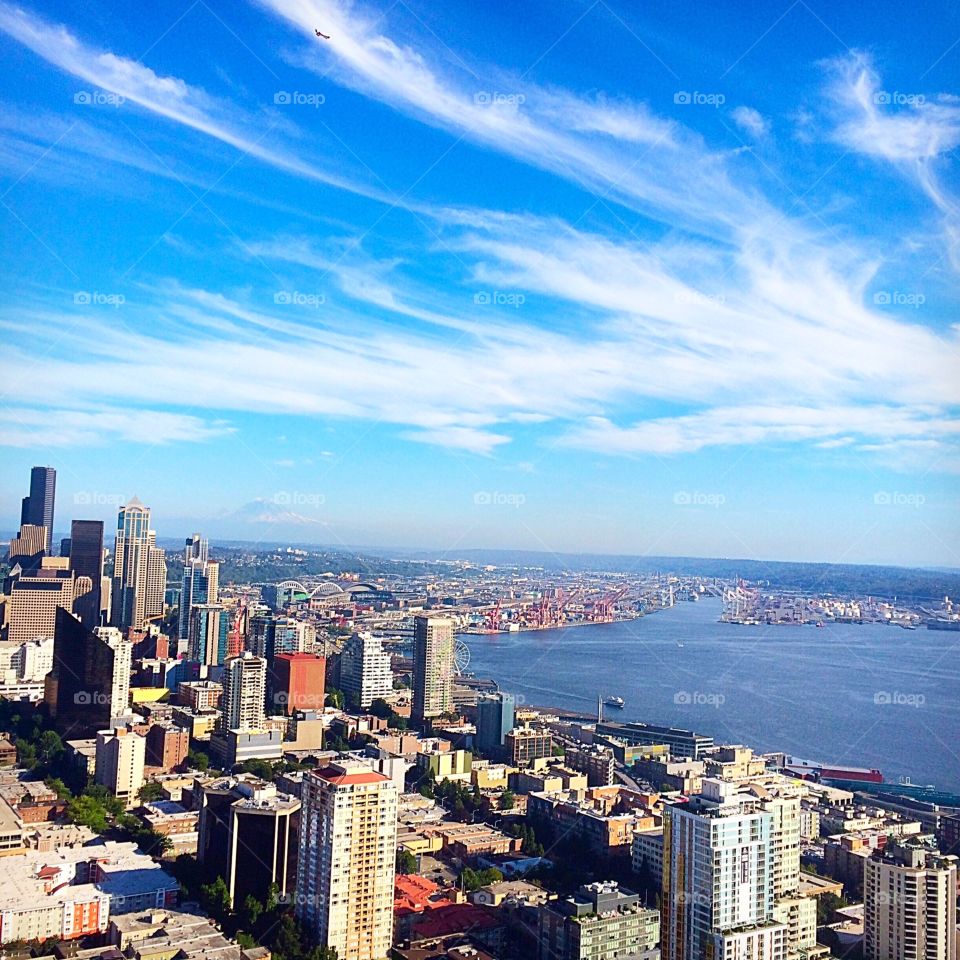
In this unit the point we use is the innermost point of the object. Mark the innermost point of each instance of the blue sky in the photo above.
(572, 275)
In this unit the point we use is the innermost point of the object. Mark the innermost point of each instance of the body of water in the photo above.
(864, 695)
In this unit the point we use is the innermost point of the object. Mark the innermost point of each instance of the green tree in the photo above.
(150, 792)
(335, 698)
(59, 788)
(507, 801)
(380, 708)
(198, 760)
(215, 899)
(26, 753)
(87, 811)
(252, 911)
(288, 942)
(406, 862)
(49, 747)
(259, 768)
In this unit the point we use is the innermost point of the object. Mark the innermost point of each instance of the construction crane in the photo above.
(492, 622)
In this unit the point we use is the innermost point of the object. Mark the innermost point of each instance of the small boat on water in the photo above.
(617, 702)
(679, 643)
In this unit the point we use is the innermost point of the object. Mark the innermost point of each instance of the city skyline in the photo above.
(598, 279)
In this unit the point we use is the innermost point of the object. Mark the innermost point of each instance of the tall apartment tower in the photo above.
(200, 583)
(119, 762)
(86, 562)
(718, 890)
(365, 673)
(37, 509)
(208, 634)
(244, 693)
(910, 904)
(433, 667)
(348, 835)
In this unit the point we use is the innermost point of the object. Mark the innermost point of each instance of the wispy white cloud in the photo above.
(751, 121)
(914, 131)
(166, 96)
(31, 427)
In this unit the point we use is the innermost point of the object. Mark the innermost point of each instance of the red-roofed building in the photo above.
(481, 923)
(347, 854)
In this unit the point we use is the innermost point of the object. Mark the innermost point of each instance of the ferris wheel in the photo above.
(461, 658)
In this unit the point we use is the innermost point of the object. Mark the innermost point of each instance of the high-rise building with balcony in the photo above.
(433, 667)
(244, 692)
(718, 889)
(365, 673)
(345, 878)
(910, 904)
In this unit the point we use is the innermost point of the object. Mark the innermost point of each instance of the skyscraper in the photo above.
(139, 569)
(718, 890)
(208, 634)
(910, 904)
(119, 762)
(28, 548)
(433, 667)
(244, 693)
(348, 838)
(200, 583)
(89, 685)
(86, 562)
(365, 673)
(37, 508)
(494, 721)
(34, 601)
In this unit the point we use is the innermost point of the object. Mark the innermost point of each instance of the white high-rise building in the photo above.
(348, 835)
(910, 904)
(718, 891)
(122, 666)
(433, 667)
(119, 762)
(365, 673)
(244, 693)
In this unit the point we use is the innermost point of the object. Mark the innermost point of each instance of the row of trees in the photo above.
(271, 924)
